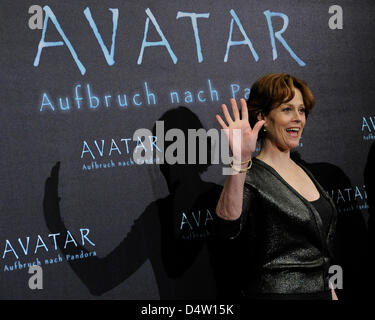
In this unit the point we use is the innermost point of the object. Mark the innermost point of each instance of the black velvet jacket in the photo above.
(285, 248)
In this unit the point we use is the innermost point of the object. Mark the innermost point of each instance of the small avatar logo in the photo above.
(196, 224)
(350, 199)
(368, 128)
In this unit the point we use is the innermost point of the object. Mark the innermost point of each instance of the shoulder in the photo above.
(259, 175)
(266, 183)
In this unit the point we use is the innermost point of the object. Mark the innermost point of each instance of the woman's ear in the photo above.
(260, 116)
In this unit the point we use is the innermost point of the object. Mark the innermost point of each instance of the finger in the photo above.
(226, 114)
(244, 111)
(258, 125)
(221, 122)
(55, 172)
(236, 113)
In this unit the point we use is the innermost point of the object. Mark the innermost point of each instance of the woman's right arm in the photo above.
(229, 206)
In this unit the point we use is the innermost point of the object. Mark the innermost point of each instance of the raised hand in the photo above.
(242, 148)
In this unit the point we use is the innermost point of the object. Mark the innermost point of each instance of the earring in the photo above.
(264, 129)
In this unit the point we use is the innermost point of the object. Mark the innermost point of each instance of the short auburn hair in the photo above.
(271, 90)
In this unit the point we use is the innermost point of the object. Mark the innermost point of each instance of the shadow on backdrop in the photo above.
(174, 233)
(351, 243)
(369, 180)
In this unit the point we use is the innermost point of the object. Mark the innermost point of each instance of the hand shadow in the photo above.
(369, 180)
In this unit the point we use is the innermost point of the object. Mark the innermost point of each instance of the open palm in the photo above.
(242, 141)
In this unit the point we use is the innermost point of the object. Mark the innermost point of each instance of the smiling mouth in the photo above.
(293, 132)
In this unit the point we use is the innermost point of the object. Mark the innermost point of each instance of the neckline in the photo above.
(286, 183)
(315, 213)
(314, 201)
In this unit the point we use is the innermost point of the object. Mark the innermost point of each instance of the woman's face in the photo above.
(285, 123)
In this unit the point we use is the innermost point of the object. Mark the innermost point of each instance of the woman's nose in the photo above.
(297, 116)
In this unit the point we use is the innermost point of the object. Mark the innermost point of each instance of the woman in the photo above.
(283, 216)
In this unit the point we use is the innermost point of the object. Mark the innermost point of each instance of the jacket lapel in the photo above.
(333, 208)
(315, 215)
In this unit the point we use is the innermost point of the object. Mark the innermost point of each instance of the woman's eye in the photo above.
(286, 109)
(303, 110)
